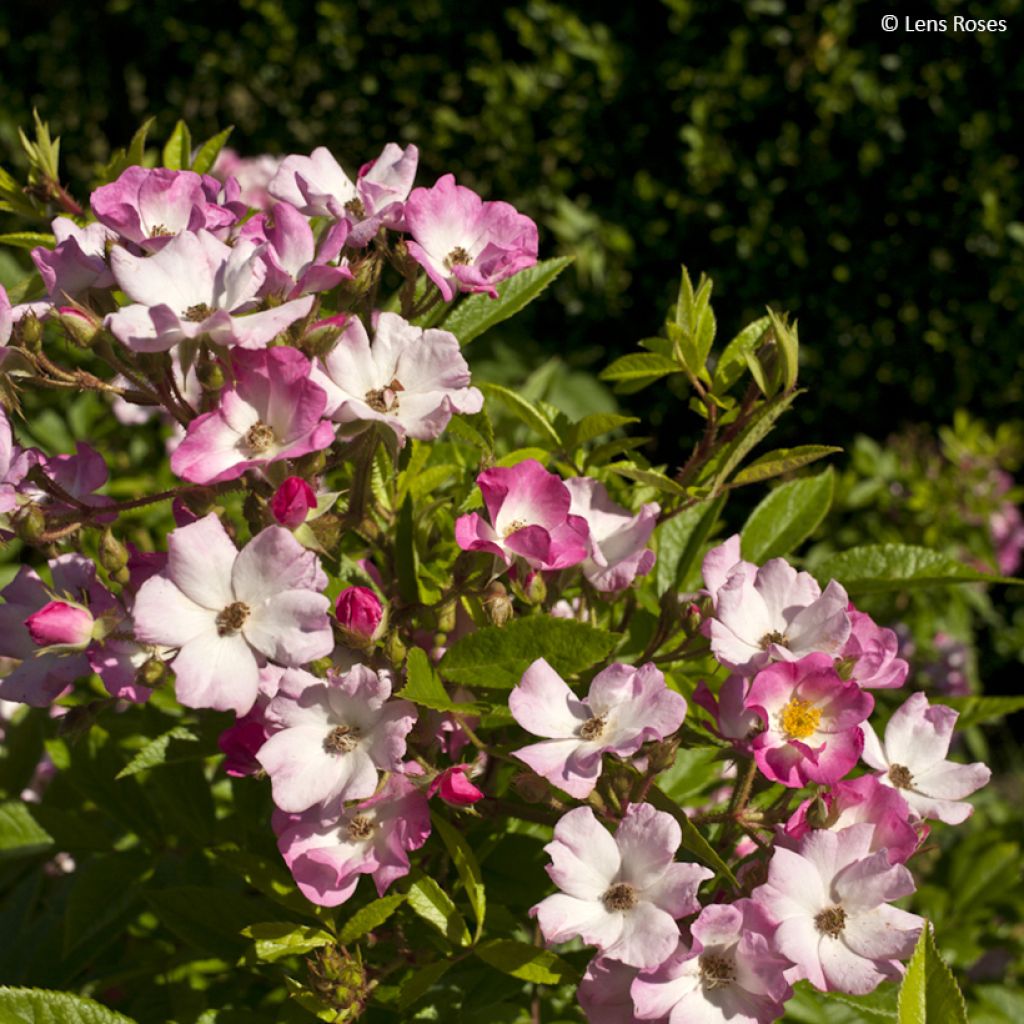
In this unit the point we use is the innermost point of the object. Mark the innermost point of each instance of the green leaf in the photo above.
(155, 752)
(975, 710)
(787, 517)
(468, 869)
(424, 687)
(693, 840)
(733, 360)
(496, 657)
(435, 906)
(529, 963)
(480, 313)
(782, 460)
(679, 542)
(595, 425)
(20, 835)
(373, 915)
(136, 151)
(639, 369)
(648, 476)
(788, 348)
(523, 410)
(28, 239)
(693, 330)
(420, 982)
(276, 939)
(929, 993)
(177, 153)
(876, 568)
(41, 1006)
(206, 155)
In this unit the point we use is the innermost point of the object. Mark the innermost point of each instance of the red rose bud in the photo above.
(292, 502)
(58, 623)
(82, 326)
(453, 786)
(359, 612)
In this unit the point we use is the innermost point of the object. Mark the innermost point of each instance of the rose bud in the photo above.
(359, 613)
(60, 623)
(454, 787)
(292, 501)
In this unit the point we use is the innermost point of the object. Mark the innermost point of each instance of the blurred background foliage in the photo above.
(798, 154)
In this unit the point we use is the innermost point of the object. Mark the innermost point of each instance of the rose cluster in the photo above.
(815, 892)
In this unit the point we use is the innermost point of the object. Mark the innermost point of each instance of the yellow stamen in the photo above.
(800, 719)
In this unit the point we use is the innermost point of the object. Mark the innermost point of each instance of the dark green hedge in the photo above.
(797, 153)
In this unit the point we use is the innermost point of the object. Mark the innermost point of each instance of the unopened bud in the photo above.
(394, 649)
(340, 981)
(28, 333)
(82, 326)
(311, 464)
(323, 335)
(818, 813)
(498, 605)
(113, 554)
(320, 667)
(446, 616)
(662, 756)
(292, 502)
(360, 616)
(153, 673)
(535, 590)
(61, 624)
(30, 524)
(210, 375)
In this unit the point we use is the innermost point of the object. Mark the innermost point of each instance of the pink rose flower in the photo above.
(327, 854)
(621, 894)
(227, 611)
(831, 899)
(863, 800)
(729, 974)
(410, 379)
(318, 187)
(873, 653)
(196, 285)
(618, 540)
(913, 760)
(78, 261)
(149, 205)
(604, 992)
(625, 708)
(332, 736)
(272, 412)
(811, 718)
(772, 613)
(465, 244)
(529, 518)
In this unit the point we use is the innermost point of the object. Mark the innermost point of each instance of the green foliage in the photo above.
(786, 517)
(36, 1006)
(929, 992)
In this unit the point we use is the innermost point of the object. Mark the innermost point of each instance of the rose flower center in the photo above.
(360, 828)
(458, 257)
(774, 637)
(900, 776)
(342, 739)
(716, 970)
(231, 619)
(384, 399)
(259, 438)
(199, 312)
(831, 921)
(621, 896)
(800, 719)
(592, 728)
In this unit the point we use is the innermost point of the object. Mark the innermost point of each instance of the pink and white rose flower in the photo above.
(912, 759)
(625, 708)
(622, 894)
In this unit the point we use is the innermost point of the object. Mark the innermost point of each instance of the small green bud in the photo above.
(153, 673)
(536, 590)
(28, 333)
(394, 649)
(498, 605)
(81, 326)
(321, 667)
(210, 374)
(113, 554)
(446, 616)
(321, 339)
(30, 524)
(312, 464)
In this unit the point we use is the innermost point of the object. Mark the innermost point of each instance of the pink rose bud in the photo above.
(454, 787)
(359, 611)
(60, 623)
(292, 501)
